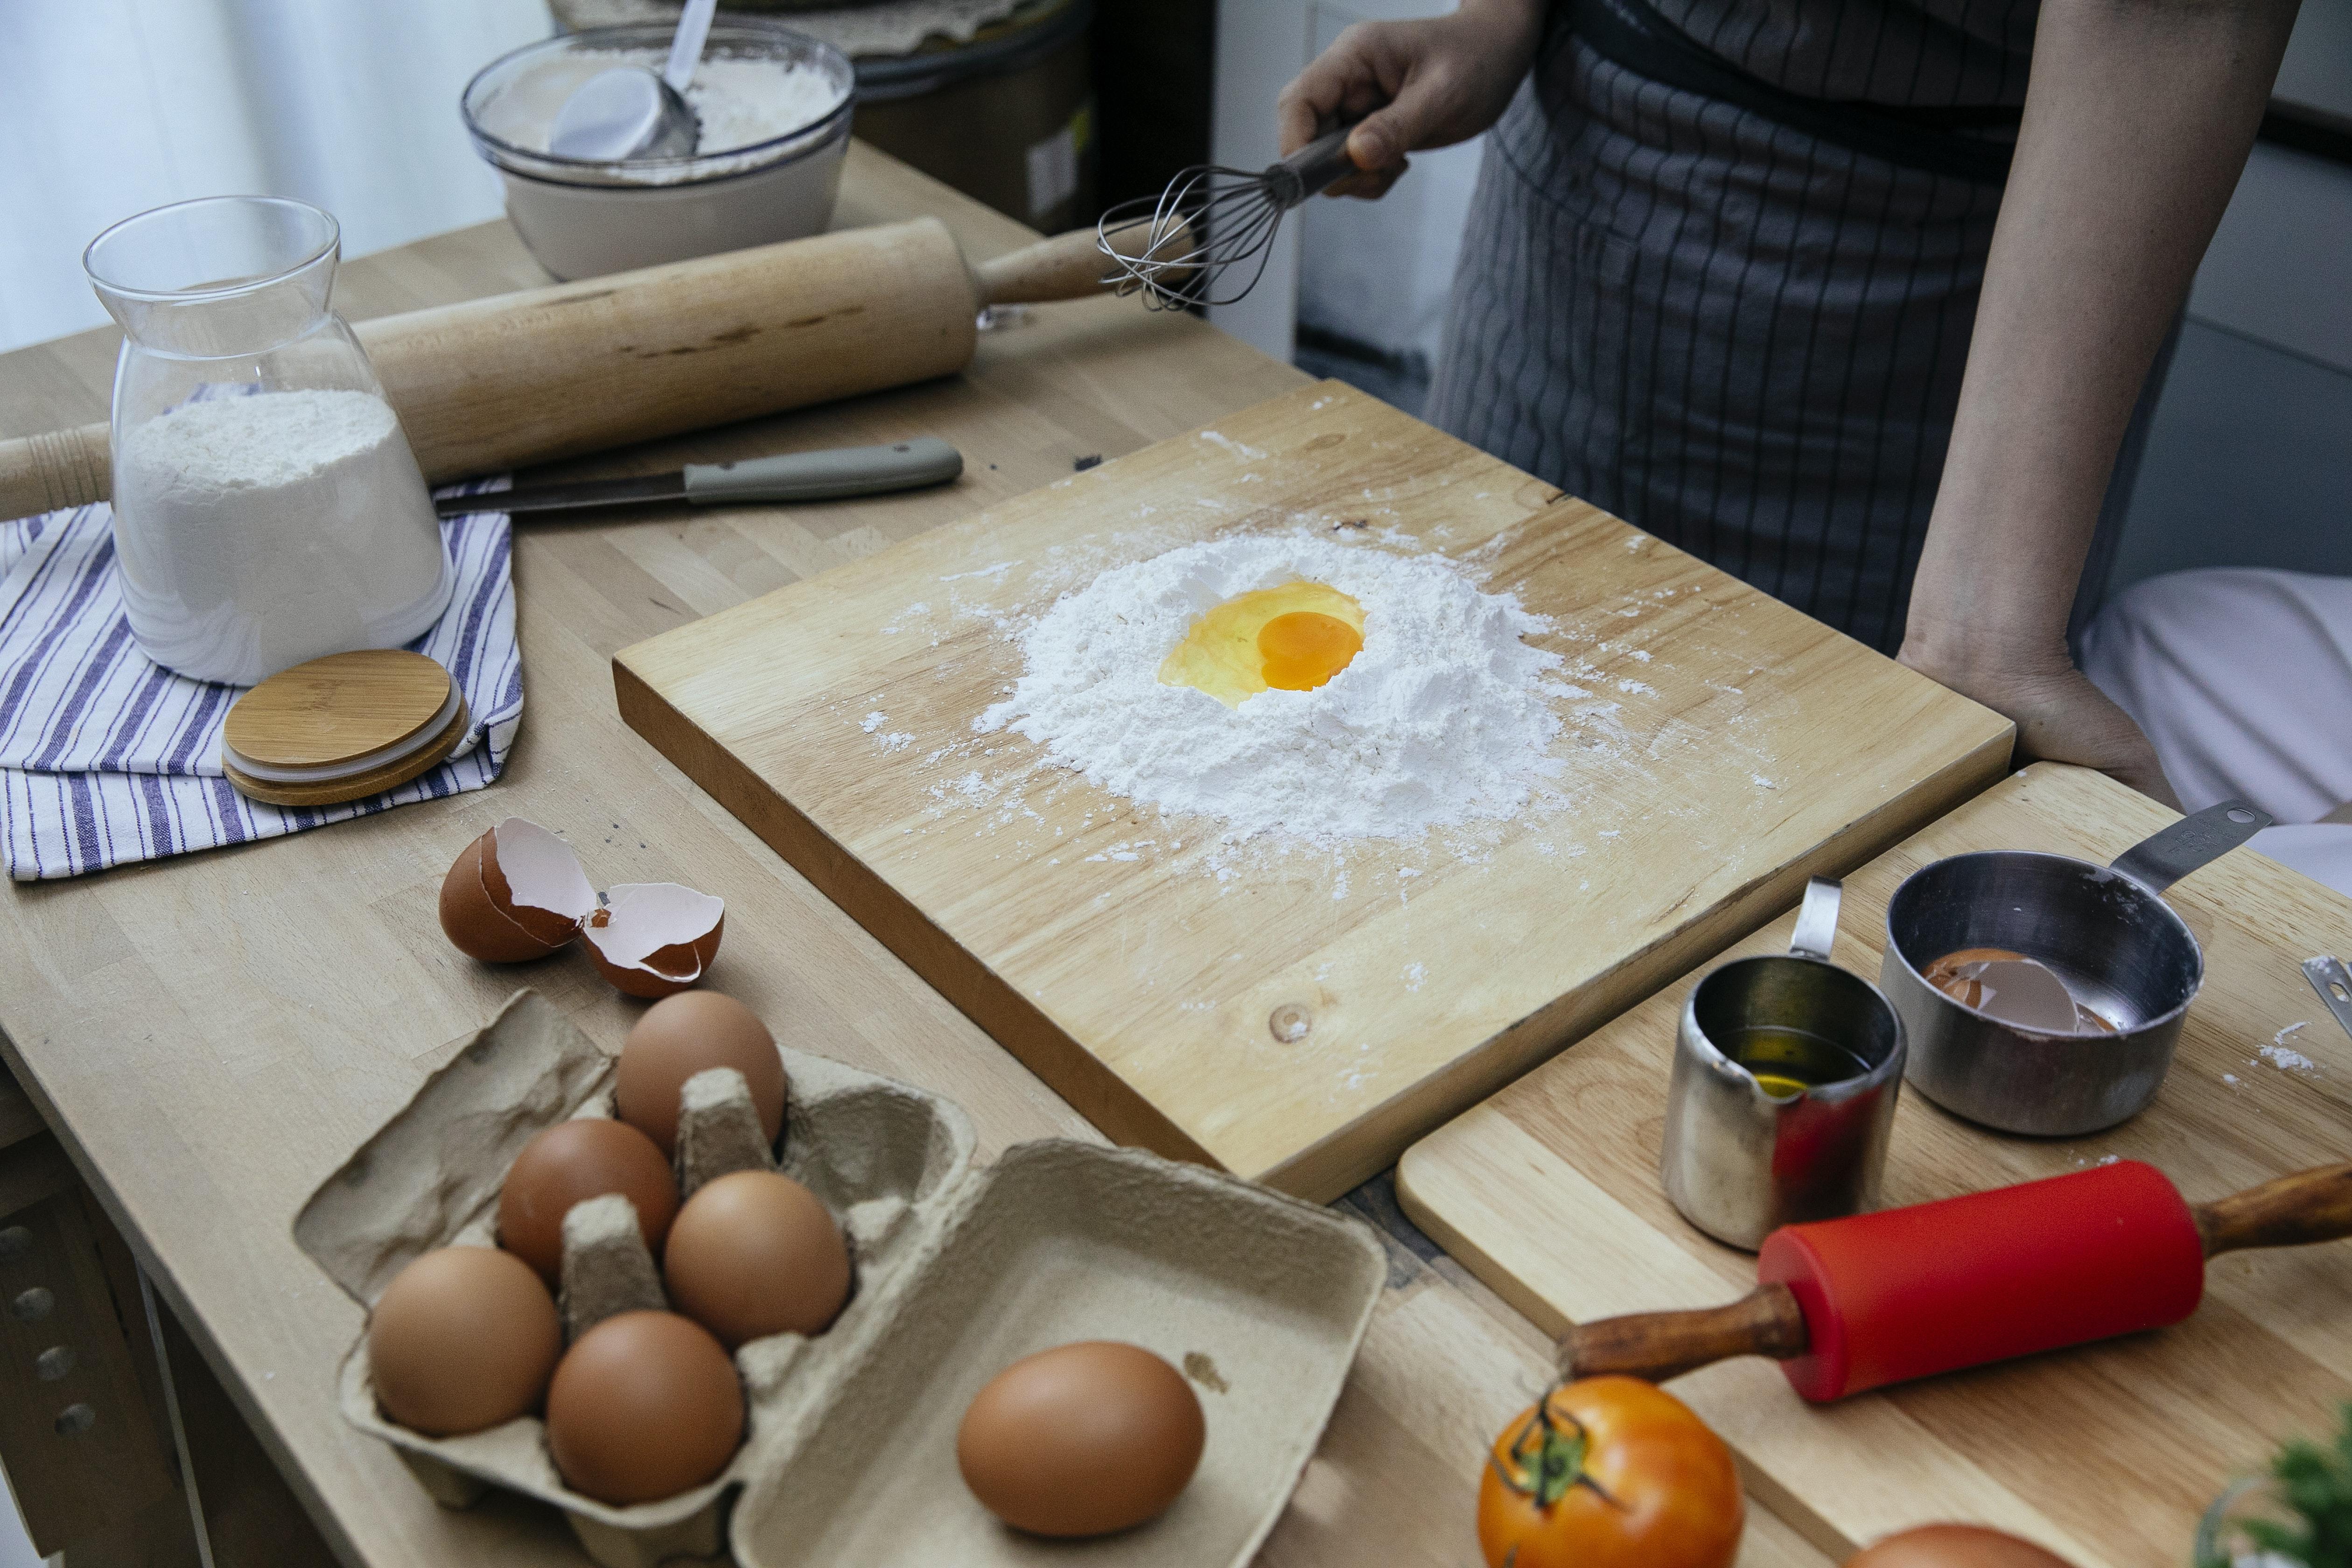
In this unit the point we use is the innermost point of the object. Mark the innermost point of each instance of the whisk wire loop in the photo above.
(1206, 239)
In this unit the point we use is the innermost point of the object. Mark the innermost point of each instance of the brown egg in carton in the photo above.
(878, 1155)
(959, 1271)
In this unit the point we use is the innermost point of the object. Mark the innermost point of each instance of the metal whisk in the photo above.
(1180, 247)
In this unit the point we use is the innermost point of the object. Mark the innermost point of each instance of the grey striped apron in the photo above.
(1743, 337)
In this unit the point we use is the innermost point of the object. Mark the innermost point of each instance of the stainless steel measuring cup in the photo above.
(2102, 930)
(1741, 1159)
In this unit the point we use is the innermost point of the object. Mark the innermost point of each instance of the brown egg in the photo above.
(1955, 1546)
(1081, 1440)
(681, 1036)
(644, 1405)
(514, 893)
(754, 1253)
(462, 1339)
(574, 1160)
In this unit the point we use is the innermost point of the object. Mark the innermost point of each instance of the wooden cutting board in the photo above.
(2107, 1453)
(1136, 966)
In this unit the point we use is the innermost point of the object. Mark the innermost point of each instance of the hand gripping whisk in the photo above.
(1181, 246)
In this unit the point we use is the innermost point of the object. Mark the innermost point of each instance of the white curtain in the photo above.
(110, 107)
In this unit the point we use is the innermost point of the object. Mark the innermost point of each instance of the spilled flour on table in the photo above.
(2285, 1058)
(1446, 718)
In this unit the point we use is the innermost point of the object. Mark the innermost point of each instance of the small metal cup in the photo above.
(2104, 931)
(1738, 1162)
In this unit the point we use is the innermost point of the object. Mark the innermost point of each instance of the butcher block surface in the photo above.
(2107, 1453)
(1726, 747)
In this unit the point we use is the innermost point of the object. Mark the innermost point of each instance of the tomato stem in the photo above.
(1557, 1458)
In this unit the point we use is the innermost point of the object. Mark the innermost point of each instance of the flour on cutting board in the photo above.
(1462, 775)
(1445, 716)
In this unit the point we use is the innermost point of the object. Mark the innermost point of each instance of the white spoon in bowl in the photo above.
(628, 111)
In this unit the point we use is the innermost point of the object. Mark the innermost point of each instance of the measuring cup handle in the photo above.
(1817, 919)
(2189, 844)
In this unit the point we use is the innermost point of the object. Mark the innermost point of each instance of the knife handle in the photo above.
(821, 476)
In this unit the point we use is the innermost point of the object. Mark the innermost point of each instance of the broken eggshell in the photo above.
(514, 893)
(653, 938)
(518, 893)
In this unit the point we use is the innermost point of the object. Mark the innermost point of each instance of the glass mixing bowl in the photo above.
(584, 217)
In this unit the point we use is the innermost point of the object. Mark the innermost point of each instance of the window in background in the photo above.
(110, 107)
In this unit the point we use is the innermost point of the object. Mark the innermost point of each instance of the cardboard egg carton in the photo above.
(1259, 1299)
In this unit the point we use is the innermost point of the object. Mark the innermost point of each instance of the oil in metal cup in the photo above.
(1786, 1074)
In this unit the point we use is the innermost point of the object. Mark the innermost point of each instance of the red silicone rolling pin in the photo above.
(1850, 1304)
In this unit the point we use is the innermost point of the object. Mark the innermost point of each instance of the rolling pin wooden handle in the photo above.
(527, 378)
(1068, 267)
(1656, 1346)
(59, 469)
(2293, 1211)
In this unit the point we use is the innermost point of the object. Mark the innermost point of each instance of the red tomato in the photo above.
(1609, 1472)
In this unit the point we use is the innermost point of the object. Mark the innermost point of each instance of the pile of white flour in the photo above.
(743, 102)
(738, 102)
(255, 532)
(1446, 717)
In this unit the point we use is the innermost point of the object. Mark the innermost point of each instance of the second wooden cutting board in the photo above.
(2107, 1453)
(1137, 964)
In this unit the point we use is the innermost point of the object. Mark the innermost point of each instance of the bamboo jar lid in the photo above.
(343, 727)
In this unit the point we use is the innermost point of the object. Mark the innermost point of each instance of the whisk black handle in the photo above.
(1307, 171)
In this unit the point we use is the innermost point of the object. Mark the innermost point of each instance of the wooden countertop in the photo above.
(212, 1035)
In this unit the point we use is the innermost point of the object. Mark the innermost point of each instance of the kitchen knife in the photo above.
(792, 476)
(1849, 1304)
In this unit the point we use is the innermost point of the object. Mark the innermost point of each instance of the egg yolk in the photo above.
(1293, 637)
(1306, 647)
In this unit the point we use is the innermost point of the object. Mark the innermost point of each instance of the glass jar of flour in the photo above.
(266, 507)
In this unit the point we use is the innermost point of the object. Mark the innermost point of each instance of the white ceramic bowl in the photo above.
(582, 218)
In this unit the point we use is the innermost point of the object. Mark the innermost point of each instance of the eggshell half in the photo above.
(516, 893)
(655, 939)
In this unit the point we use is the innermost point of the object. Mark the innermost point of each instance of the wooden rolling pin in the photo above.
(1849, 1304)
(553, 372)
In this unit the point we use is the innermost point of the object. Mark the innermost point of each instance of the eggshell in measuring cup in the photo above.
(1082, 1439)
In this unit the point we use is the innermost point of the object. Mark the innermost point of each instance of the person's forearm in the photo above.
(2137, 119)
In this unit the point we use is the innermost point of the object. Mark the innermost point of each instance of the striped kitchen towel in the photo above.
(107, 757)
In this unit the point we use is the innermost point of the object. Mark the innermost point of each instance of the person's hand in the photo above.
(1410, 86)
(2060, 717)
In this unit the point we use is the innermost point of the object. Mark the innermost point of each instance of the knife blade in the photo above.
(825, 475)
